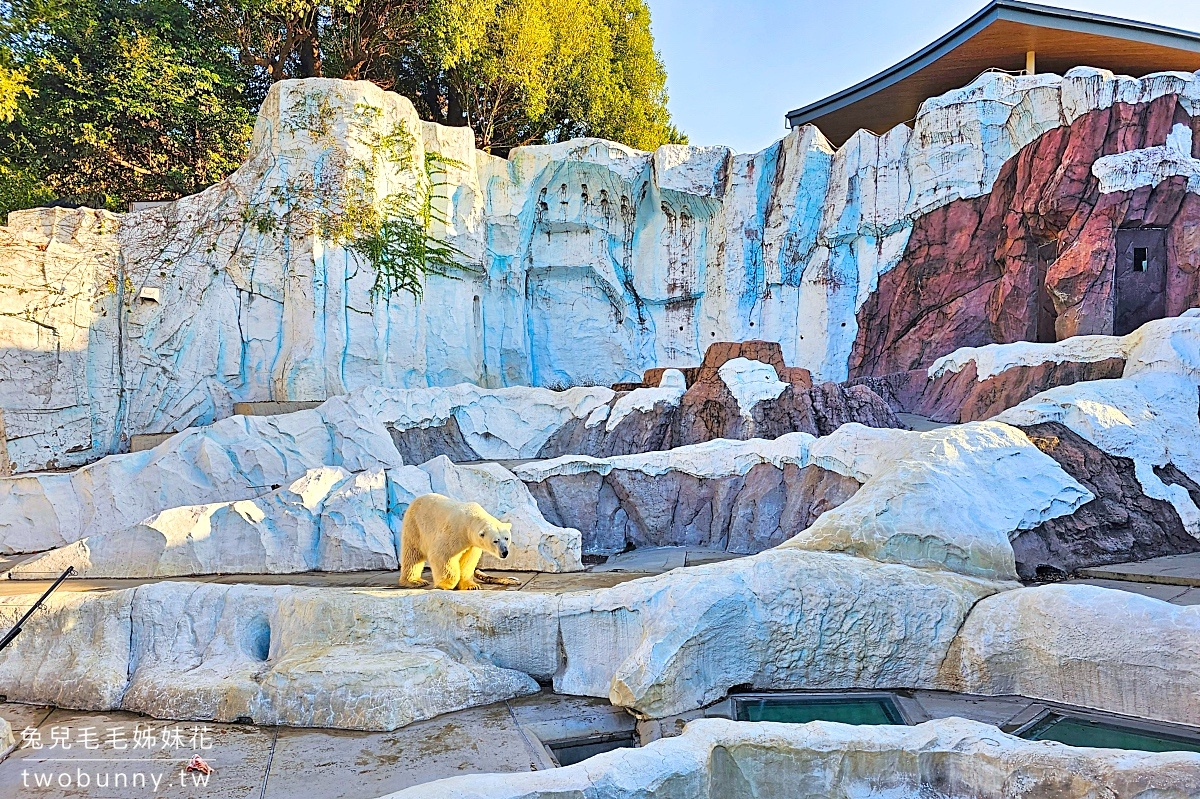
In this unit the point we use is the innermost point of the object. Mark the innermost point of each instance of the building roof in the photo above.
(998, 37)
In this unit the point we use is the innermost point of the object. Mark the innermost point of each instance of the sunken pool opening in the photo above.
(576, 750)
(846, 708)
(1105, 732)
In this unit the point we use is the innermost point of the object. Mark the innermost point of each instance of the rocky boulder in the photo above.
(1082, 645)
(947, 758)
(741, 497)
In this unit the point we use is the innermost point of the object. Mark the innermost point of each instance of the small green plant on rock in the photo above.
(394, 234)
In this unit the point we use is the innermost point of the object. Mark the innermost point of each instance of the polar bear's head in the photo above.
(495, 538)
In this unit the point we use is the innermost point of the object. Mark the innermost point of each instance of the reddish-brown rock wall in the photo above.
(972, 274)
(957, 397)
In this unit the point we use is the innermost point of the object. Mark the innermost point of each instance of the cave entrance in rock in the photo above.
(1141, 278)
(1047, 254)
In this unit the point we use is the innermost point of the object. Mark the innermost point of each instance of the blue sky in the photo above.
(736, 66)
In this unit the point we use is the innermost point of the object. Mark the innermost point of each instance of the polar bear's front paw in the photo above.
(414, 583)
(468, 585)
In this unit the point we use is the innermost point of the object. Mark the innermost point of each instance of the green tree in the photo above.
(528, 71)
(107, 101)
(517, 71)
(117, 101)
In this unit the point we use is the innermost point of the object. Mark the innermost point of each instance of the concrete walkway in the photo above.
(618, 569)
(1168, 570)
(252, 762)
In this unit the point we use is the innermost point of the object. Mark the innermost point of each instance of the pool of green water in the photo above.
(1084, 732)
(868, 710)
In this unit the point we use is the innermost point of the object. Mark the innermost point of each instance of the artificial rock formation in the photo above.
(328, 520)
(950, 758)
(244, 457)
(1082, 645)
(163, 318)
(981, 269)
(380, 659)
(907, 583)
(736, 398)
(739, 497)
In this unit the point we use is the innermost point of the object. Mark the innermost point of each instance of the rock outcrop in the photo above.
(328, 520)
(871, 259)
(726, 398)
(947, 499)
(742, 497)
(948, 758)
(245, 457)
(1121, 524)
(381, 659)
(1082, 645)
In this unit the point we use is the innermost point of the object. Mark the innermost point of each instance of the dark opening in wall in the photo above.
(1047, 316)
(1140, 279)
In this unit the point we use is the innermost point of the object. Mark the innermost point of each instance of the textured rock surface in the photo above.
(380, 659)
(245, 457)
(962, 396)
(8, 740)
(75, 652)
(948, 499)
(742, 497)
(283, 531)
(328, 520)
(950, 758)
(1121, 524)
(1151, 416)
(974, 269)
(739, 400)
(781, 619)
(313, 657)
(1082, 645)
(159, 319)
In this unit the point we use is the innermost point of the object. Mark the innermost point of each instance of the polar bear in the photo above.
(452, 536)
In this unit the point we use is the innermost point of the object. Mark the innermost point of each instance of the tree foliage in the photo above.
(107, 101)
(517, 71)
(115, 101)
(530, 71)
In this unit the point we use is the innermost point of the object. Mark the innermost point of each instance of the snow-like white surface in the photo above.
(1171, 345)
(244, 457)
(1136, 169)
(376, 659)
(721, 759)
(669, 392)
(1150, 419)
(949, 498)
(328, 520)
(1082, 645)
(1149, 415)
(718, 458)
(750, 382)
(993, 359)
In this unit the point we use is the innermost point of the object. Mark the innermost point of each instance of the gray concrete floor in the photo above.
(252, 762)
(1167, 570)
(618, 569)
(921, 424)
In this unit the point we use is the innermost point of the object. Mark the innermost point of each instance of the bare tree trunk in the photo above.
(456, 114)
(309, 47)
